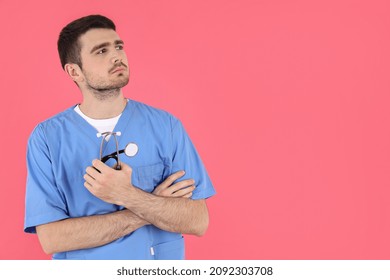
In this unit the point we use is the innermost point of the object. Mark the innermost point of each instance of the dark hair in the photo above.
(68, 42)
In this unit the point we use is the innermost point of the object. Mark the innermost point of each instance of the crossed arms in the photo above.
(168, 208)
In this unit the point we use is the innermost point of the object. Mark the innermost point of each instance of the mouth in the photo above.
(118, 69)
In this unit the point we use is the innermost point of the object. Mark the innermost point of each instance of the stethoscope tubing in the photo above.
(113, 155)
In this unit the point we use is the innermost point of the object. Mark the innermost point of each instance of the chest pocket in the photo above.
(148, 177)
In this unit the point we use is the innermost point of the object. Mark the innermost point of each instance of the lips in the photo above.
(118, 69)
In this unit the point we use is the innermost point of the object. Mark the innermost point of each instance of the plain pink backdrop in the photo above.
(286, 101)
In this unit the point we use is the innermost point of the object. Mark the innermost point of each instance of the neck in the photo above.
(106, 108)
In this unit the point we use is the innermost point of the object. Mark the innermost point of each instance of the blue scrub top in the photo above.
(62, 147)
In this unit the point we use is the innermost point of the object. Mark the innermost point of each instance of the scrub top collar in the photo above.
(122, 125)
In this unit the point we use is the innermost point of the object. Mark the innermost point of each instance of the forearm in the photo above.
(87, 232)
(168, 213)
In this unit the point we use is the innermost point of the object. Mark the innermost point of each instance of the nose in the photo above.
(118, 57)
(117, 60)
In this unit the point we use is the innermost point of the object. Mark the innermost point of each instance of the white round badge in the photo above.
(131, 149)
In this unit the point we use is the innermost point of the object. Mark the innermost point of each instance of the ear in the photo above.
(74, 72)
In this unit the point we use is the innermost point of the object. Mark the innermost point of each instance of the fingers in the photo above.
(181, 185)
(88, 186)
(90, 180)
(186, 192)
(93, 174)
(172, 178)
(100, 166)
(180, 189)
(92, 171)
(187, 195)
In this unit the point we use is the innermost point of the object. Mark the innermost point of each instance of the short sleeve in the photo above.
(185, 157)
(44, 202)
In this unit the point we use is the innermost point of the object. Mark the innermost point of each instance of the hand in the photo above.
(180, 189)
(108, 184)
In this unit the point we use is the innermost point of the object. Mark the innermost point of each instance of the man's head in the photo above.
(92, 54)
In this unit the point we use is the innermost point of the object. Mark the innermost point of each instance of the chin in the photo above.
(118, 84)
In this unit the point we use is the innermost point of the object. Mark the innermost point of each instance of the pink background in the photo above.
(286, 101)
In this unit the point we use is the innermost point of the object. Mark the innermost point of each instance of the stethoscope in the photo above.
(130, 150)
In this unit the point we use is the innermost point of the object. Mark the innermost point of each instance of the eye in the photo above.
(119, 47)
(101, 51)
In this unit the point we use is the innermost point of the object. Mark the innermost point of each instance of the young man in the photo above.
(137, 207)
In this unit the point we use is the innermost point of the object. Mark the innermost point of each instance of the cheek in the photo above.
(93, 70)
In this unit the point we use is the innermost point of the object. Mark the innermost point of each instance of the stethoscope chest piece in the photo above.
(131, 149)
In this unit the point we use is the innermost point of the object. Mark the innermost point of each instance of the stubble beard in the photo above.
(106, 90)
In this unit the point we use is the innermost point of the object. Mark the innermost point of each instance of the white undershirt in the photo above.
(104, 125)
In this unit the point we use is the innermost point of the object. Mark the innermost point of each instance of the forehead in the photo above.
(97, 36)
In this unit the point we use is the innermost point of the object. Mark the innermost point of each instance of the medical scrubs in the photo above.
(62, 147)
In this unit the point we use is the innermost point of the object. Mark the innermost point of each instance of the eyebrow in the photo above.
(106, 44)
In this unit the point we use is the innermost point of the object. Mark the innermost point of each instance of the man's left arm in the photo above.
(175, 214)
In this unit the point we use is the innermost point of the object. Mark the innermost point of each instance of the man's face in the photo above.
(104, 62)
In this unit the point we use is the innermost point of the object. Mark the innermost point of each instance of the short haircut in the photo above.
(68, 44)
